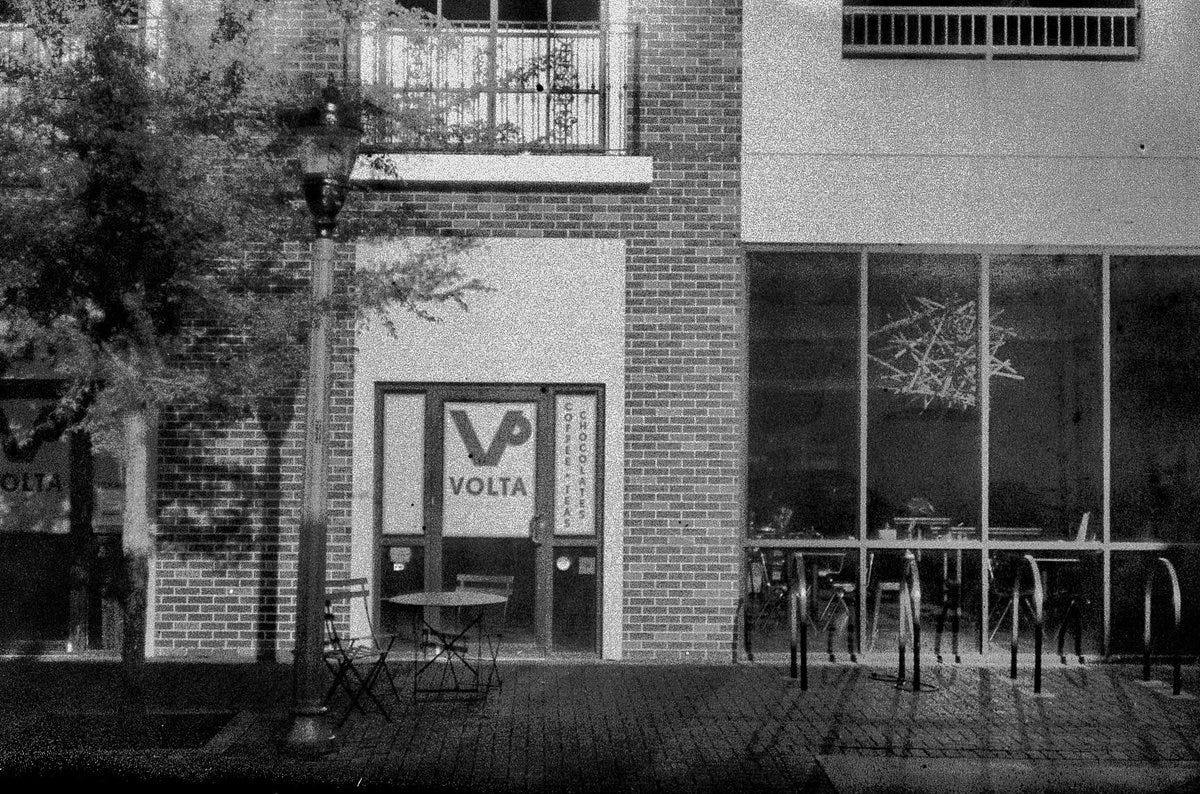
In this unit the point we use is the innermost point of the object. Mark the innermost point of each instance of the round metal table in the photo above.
(459, 674)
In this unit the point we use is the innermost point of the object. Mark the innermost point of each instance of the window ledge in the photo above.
(409, 170)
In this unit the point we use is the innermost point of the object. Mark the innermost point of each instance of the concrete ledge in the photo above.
(507, 169)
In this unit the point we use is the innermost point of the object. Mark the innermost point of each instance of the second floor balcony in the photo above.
(503, 87)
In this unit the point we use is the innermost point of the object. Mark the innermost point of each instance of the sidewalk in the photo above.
(626, 727)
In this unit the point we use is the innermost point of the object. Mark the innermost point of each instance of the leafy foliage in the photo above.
(149, 232)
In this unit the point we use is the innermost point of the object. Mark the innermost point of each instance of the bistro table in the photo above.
(460, 674)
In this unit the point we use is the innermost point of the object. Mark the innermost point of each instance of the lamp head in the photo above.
(329, 138)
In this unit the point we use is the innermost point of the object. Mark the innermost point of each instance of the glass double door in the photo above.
(495, 487)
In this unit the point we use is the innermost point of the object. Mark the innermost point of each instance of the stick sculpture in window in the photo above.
(931, 355)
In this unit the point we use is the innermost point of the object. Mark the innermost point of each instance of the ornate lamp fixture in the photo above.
(329, 141)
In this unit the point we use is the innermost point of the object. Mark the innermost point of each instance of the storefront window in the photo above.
(923, 414)
(866, 376)
(1155, 383)
(804, 396)
(1046, 417)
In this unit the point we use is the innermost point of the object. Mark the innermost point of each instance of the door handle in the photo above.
(537, 529)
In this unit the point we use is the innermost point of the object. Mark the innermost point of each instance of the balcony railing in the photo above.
(480, 87)
(982, 32)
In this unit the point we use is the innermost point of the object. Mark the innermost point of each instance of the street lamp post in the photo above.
(328, 146)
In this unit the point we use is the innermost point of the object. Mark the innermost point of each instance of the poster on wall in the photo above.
(575, 464)
(489, 468)
(34, 482)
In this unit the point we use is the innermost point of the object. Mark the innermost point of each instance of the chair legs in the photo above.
(951, 605)
(841, 618)
(1072, 617)
(347, 676)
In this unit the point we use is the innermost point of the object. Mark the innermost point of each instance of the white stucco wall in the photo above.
(556, 316)
(964, 151)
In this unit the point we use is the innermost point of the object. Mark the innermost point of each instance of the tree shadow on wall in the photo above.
(230, 514)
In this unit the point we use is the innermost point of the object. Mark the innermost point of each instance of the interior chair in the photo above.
(492, 622)
(356, 662)
(889, 586)
(1082, 533)
(1000, 580)
(951, 606)
(836, 614)
(1072, 616)
(767, 589)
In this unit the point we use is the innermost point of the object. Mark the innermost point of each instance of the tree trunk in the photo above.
(136, 551)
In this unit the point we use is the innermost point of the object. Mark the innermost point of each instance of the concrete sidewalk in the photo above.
(593, 727)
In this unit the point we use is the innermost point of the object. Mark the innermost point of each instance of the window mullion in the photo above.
(863, 334)
(983, 325)
(1106, 442)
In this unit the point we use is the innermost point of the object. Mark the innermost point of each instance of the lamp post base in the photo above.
(311, 735)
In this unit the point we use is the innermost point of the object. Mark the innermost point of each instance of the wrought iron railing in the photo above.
(990, 32)
(503, 87)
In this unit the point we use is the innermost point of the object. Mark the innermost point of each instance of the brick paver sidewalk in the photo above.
(591, 727)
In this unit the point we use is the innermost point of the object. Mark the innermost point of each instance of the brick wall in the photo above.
(684, 385)
(229, 508)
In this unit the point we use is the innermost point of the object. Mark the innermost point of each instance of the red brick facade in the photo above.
(225, 568)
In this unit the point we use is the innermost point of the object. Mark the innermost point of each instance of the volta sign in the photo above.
(488, 491)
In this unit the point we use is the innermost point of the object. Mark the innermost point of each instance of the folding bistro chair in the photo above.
(493, 632)
(356, 662)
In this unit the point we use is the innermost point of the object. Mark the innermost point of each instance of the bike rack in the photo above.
(1038, 621)
(1177, 604)
(798, 605)
(910, 608)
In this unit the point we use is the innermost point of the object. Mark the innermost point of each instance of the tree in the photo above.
(150, 207)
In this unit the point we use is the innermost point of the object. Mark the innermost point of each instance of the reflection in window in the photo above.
(923, 413)
(575, 597)
(803, 395)
(949, 602)
(1155, 383)
(1071, 605)
(401, 570)
(832, 579)
(1129, 572)
(1045, 429)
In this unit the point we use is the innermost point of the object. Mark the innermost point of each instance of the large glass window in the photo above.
(1046, 414)
(923, 411)
(804, 396)
(1155, 384)
(869, 428)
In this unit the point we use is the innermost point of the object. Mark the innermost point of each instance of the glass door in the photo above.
(496, 484)
(487, 503)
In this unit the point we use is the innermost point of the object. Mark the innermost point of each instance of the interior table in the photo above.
(460, 675)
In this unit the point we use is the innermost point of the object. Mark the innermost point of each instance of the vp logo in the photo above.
(513, 431)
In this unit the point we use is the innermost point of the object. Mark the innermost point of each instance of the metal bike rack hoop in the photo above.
(910, 603)
(798, 603)
(1038, 620)
(1177, 603)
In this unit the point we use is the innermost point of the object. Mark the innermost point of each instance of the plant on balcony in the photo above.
(427, 83)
